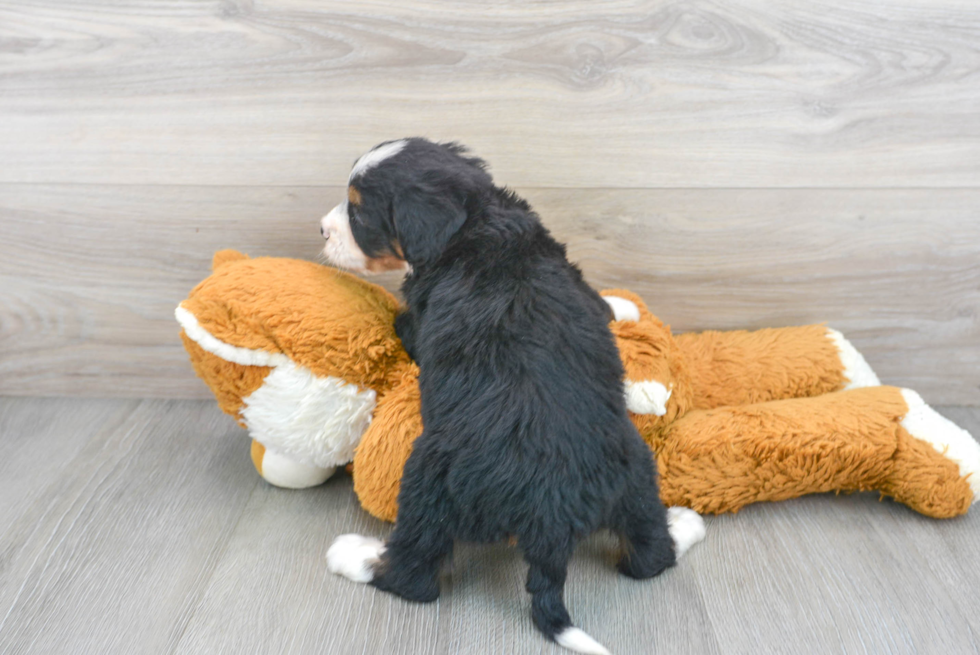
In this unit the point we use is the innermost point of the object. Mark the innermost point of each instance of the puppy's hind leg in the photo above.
(641, 522)
(408, 564)
(409, 567)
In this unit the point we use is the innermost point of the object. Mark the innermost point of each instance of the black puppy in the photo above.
(526, 432)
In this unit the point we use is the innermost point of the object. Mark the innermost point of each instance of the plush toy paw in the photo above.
(950, 440)
(686, 528)
(642, 396)
(647, 397)
(354, 557)
(281, 471)
(856, 369)
(623, 309)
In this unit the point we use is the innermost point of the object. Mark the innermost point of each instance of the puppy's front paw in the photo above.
(686, 528)
(354, 557)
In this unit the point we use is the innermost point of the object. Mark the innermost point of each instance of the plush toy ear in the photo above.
(223, 257)
(425, 221)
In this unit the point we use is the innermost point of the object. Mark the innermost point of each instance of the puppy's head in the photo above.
(405, 201)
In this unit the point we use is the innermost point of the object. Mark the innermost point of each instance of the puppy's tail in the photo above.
(574, 639)
(551, 618)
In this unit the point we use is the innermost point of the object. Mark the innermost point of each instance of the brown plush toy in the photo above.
(306, 358)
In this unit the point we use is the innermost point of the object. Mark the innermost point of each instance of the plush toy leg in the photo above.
(936, 490)
(281, 471)
(740, 367)
(385, 447)
(876, 438)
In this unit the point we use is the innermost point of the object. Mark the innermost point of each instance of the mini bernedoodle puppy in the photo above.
(526, 433)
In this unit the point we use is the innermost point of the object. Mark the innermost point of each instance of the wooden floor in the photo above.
(132, 526)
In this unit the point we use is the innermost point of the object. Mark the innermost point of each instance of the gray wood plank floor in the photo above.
(140, 527)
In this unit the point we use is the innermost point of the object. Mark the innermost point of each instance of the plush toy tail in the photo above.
(223, 257)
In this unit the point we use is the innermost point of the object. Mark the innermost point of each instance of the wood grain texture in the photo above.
(90, 275)
(842, 574)
(29, 464)
(113, 556)
(155, 535)
(658, 93)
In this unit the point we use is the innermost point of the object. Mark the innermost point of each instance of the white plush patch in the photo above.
(226, 351)
(856, 369)
(282, 471)
(955, 443)
(341, 248)
(576, 640)
(623, 309)
(354, 557)
(647, 397)
(686, 528)
(374, 157)
(315, 421)
(309, 420)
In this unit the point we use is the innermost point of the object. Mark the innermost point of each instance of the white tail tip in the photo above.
(575, 639)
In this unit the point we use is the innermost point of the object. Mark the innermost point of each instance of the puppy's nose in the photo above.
(323, 233)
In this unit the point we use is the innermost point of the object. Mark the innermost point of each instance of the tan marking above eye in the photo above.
(353, 196)
(385, 263)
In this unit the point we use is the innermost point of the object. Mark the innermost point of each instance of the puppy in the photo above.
(526, 433)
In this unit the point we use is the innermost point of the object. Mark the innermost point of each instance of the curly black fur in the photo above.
(526, 429)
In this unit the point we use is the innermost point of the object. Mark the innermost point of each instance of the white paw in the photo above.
(623, 309)
(647, 397)
(686, 528)
(949, 439)
(354, 557)
(856, 369)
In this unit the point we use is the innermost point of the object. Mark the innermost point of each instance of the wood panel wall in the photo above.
(740, 164)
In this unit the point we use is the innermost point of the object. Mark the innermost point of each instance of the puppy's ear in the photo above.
(425, 221)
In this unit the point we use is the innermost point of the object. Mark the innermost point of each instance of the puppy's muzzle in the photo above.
(340, 248)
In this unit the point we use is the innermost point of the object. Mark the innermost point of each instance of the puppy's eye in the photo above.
(353, 214)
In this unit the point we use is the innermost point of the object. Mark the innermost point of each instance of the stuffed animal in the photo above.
(306, 358)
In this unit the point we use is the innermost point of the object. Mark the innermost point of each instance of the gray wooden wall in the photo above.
(740, 164)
